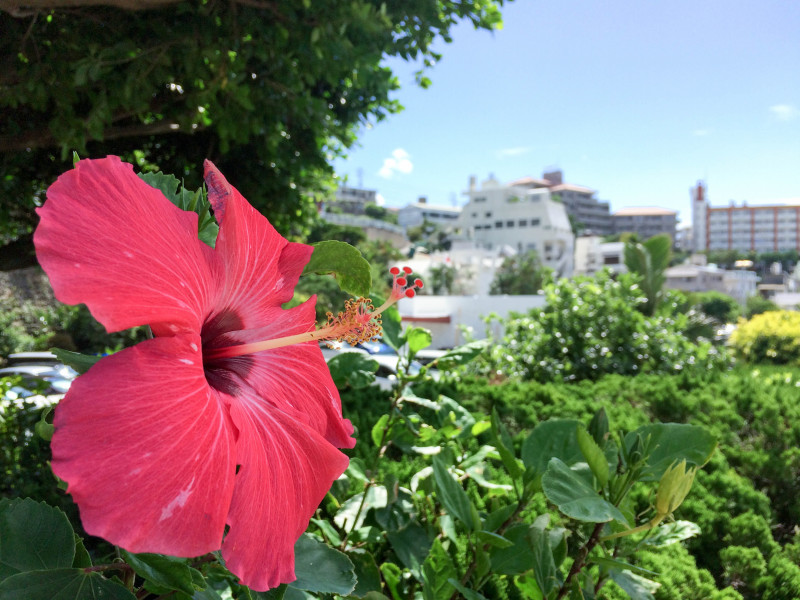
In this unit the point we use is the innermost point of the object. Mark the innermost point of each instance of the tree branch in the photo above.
(43, 138)
(26, 8)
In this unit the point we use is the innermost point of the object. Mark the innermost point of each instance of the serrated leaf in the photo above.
(411, 546)
(80, 362)
(62, 584)
(516, 558)
(352, 369)
(677, 531)
(368, 576)
(82, 558)
(576, 498)
(165, 571)
(345, 263)
(320, 568)
(33, 536)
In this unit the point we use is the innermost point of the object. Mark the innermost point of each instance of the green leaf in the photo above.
(544, 567)
(638, 588)
(345, 263)
(277, 593)
(320, 568)
(391, 324)
(466, 592)
(378, 431)
(594, 456)
(552, 438)
(82, 558)
(452, 495)
(33, 536)
(392, 574)
(80, 362)
(598, 426)
(677, 531)
(619, 565)
(196, 202)
(411, 546)
(165, 571)
(528, 587)
(576, 498)
(376, 498)
(461, 355)
(368, 576)
(62, 584)
(505, 447)
(668, 443)
(417, 339)
(436, 571)
(352, 369)
(494, 540)
(516, 558)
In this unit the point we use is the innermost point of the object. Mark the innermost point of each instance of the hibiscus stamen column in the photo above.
(358, 322)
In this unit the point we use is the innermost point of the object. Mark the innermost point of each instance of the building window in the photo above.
(474, 215)
(509, 223)
(488, 214)
(534, 222)
(523, 222)
(480, 199)
(498, 224)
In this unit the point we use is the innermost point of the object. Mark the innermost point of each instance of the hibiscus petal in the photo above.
(261, 268)
(109, 240)
(148, 449)
(294, 379)
(286, 470)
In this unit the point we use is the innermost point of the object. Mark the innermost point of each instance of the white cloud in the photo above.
(516, 151)
(701, 132)
(398, 162)
(784, 112)
(380, 200)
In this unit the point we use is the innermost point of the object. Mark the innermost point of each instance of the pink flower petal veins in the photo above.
(112, 242)
(148, 449)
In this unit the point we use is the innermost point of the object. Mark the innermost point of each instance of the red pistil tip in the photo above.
(410, 293)
(418, 283)
(401, 281)
(394, 271)
(408, 269)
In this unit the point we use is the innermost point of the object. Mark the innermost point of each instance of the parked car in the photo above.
(42, 378)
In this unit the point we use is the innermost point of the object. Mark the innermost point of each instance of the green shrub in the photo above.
(757, 305)
(717, 305)
(591, 327)
(771, 337)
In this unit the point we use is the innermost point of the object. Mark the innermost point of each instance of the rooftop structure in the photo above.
(417, 213)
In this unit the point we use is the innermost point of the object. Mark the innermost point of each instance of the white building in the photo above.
(593, 255)
(646, 221)
(740, 284)
(416, 214)
(520, 216)
(445, 316)
(763, 228)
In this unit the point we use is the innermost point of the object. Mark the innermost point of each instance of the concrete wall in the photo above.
(444, 315)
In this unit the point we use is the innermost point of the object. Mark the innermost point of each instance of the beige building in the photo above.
(645, 221)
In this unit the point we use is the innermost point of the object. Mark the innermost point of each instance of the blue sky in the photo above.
(635, 99)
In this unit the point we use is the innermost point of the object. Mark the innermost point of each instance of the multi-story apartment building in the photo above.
(354, 200)
(522, 216)
(589, 215)
(762, 228)
(645, 221)
(415, 214)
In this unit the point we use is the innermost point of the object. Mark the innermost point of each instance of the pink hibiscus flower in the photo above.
(165, 443)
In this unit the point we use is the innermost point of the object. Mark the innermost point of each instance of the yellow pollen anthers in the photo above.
(358, 323)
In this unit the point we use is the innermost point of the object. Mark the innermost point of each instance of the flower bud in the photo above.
(672, 489)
